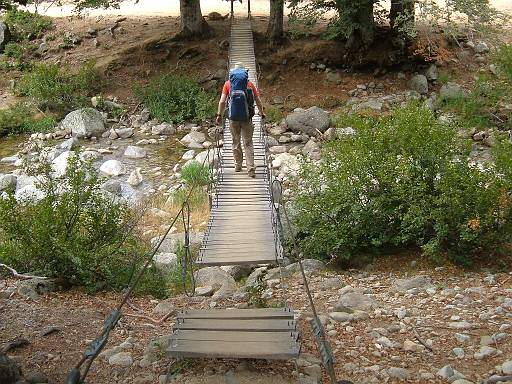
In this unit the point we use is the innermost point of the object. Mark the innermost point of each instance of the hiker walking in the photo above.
(240, 94)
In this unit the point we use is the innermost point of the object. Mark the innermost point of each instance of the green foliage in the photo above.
(503, 58)
(60, 89)
(14, 50)
(256, 294)
(25, 25)
(74, 233)
(198, 197)
(484, 106)
(176, 99)
(195, 174)
(274, 114)
(20, 118)
(401, 182)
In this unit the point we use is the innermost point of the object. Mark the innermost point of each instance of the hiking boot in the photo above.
(238, 168)
(252, 173)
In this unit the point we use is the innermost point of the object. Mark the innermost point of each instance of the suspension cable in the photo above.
(317, 325)
(75, 376)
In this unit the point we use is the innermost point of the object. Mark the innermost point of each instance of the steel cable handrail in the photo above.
(75, 376)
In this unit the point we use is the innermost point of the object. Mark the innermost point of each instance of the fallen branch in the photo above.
(20, 276)
(497, 379)
(16, 343)
(420, 340)
(150, 318)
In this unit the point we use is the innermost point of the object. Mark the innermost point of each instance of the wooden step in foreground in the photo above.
(268, 333)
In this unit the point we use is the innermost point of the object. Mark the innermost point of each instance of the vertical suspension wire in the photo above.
(187, 263)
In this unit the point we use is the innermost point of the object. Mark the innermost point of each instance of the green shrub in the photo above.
(503, 59)
(14, 50)
(75, 233)
(402, 182)
(60, 89)
(25, 25)
(176, 99)
(195, 174)
(198, 197)
(20, 118)
(274, 114)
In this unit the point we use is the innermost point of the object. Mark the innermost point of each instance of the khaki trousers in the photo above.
(244, 129)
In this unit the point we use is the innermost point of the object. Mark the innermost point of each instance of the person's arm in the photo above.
(257, 99)
(220, 109)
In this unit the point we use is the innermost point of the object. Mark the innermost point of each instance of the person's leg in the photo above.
(247, 132)
(235, 128)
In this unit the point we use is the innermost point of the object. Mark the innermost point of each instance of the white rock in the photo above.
(462, 338)
(135, 178)
(484, 352)
(113, 168)
(134, 152)
(189, 155)
(459, 352)
(204, 291)
(165, 261)
(411, 346)
(60, 164)
(506, 367)
(29, 193)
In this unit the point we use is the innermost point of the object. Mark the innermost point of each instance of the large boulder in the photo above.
(165, 261)
(194, 140)
(60, 164)
(308, 121)
(84, 122)
(5, 35)
(419, 83)
(221, 281)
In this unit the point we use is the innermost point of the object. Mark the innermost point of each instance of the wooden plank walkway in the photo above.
(268, 333)
(241, 228)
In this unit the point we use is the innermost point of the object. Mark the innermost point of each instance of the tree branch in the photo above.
(20, 276)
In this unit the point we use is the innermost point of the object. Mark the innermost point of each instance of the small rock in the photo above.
(204, 291)
(163, 308)
(481, 47)
(459, 352)
(485, 352)
(135, 178)
(450, 91)
(123, 359)
(506, 367)
(432, 73)
(446, 372)
(399, 373)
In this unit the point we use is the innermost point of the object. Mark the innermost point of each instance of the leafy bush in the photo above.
(75, 233)
(176, 99)
(20, 118)
(14, 50)
(401, 182)
(195, 174)
(25, 25)
(60, 89)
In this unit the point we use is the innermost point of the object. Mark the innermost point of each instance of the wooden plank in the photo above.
(249, 325)
(263, 313)
(228, 349)
(285, 337)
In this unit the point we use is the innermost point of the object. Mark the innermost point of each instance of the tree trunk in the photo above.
(192, 23)
(360, 13)
(275, 23)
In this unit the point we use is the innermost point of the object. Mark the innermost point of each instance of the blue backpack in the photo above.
(241, 99)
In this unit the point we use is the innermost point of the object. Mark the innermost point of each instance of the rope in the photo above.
(75, 376)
